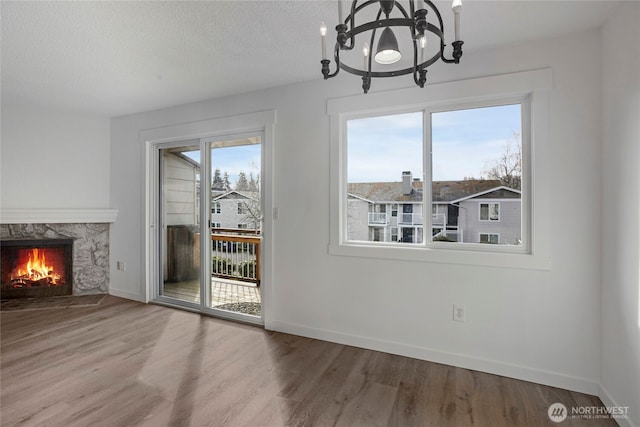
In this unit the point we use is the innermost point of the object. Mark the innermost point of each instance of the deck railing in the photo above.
(378, 218)
(410, 219)
(438, 220)
(235, 254)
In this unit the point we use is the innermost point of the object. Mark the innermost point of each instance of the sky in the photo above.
(464, 143)
(232, 160)
(379, 149)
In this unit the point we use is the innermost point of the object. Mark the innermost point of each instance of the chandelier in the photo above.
(421, 37)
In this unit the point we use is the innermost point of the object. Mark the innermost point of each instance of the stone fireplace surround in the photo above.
(89, 230)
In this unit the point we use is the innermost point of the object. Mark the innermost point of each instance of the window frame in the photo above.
(531, 89)
(488, 220)
(488, 238)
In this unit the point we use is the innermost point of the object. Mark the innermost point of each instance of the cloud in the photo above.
(463, 143)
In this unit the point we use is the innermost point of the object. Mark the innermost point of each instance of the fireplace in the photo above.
(36, 268)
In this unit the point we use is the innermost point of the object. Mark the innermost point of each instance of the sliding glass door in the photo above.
(180, 228)
(209, 213)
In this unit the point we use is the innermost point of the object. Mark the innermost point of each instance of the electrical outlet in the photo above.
(459, 313)
(121, 266)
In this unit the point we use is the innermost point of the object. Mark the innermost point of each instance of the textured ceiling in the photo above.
(116, 58)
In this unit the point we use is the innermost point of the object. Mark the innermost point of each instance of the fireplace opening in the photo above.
(36, 268)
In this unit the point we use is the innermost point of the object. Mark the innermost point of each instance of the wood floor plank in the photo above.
(123, 363)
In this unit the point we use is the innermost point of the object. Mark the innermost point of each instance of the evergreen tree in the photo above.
(225, 182)
(242, 184)
(217, 183)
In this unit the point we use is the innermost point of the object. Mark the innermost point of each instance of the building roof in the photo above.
(234, 195)
(501, 192)
(442, 191)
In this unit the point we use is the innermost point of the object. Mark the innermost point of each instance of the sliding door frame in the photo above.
(262, 123)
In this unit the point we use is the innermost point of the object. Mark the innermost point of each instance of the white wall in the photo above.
(542, 326)
(620, 371)
(53, 160)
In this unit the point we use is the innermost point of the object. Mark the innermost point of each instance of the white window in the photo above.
(476, 151)
(439, 147)
(394, 233)
(380, 149)
(377, 234)
(243, 226)
(242, 208)
(489, 212)
(216, 225)
(489, 238)
(216, 208)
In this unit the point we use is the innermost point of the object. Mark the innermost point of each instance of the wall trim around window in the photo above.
(534, 85)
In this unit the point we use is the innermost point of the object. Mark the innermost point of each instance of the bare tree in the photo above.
(253, 206)
(508, 167)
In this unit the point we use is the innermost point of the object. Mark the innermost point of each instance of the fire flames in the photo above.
(35, 271)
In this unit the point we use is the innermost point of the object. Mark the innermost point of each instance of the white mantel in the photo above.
(57, 216)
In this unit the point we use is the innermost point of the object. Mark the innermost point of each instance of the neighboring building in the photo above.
(491, 216)
(181, 184)
(236, 209)
(472, 211)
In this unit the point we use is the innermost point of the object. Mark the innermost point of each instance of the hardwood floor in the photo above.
(124, 363)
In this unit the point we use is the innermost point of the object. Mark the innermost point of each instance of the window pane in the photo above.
(477, 172)
(484, 212)
(385, 166)
(495, 212)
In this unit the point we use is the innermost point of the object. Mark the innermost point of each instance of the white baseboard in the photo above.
(608, 400)
(126, 294)
(553, 379)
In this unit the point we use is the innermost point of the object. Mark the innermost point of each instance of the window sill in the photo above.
(456, 256)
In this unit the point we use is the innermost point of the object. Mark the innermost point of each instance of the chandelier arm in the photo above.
(456, 55)
(352, 19)
(373, 35)
(393, 22)
(457, 45)
(325, 64)
(395, 73)
(436, 12)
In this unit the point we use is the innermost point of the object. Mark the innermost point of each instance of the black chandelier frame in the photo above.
(418, 25)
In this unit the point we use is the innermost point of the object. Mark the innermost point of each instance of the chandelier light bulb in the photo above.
(456, 6)
(365, 52)
(387, 52)
(323, 36)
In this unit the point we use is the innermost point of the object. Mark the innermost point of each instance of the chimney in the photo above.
(406, 183)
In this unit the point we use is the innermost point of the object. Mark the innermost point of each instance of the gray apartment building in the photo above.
(469, 211)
